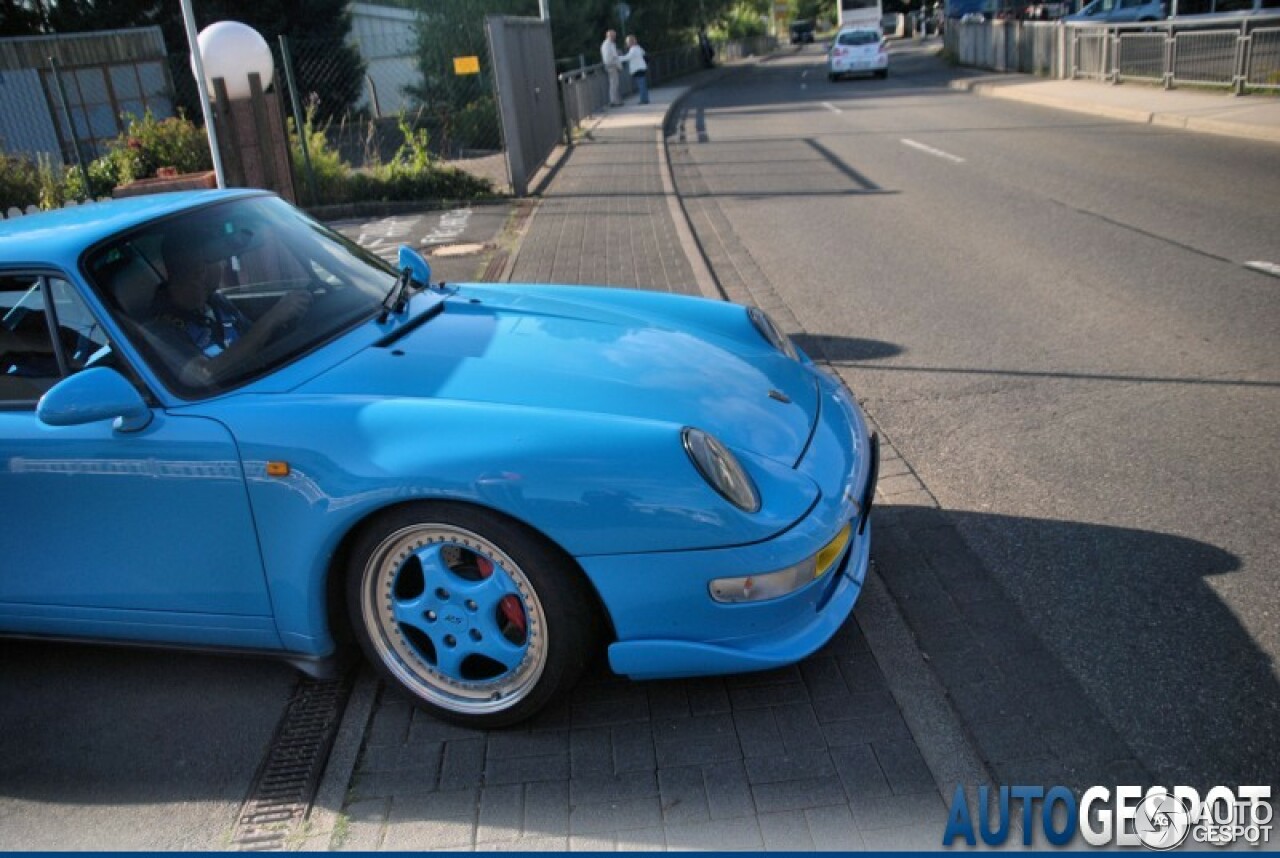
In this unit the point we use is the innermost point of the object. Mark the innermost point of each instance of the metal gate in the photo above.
(524, 73)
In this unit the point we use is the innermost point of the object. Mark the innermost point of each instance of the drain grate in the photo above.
(286, 784)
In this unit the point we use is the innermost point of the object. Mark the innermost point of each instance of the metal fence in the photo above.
(1242, 53)
(584, 92)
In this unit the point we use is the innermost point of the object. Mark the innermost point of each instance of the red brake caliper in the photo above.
(510, 607)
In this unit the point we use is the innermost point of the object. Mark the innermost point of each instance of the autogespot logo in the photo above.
(1158, 819)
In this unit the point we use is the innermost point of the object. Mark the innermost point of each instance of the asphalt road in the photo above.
(1051, 317)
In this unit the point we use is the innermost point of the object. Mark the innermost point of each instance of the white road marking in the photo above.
(829, 106)
(804, 86)
(804, 73)
(937, 153)
(1271, 268)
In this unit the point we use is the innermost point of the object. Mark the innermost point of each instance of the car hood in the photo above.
(582, 356)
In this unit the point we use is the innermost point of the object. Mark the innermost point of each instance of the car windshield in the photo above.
(220, 295)
(858, 37)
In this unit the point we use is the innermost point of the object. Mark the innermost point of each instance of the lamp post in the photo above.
(197, 63)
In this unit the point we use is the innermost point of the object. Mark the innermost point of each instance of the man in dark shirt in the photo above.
(212, 337)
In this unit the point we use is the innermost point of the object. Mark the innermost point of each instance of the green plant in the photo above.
(149, 144)
(19, 183)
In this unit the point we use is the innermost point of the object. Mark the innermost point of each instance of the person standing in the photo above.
(634, 58)
(612, 65)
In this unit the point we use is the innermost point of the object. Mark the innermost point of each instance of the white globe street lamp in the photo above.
(233, 51)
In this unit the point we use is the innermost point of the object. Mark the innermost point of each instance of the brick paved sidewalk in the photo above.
(605, 219)
(815, 756)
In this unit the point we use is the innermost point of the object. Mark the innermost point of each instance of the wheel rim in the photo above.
(454, 618)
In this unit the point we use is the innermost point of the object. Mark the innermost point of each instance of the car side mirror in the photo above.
(93, 395)
(419, 268)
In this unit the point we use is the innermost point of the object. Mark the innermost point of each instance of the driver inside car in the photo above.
(200, 324)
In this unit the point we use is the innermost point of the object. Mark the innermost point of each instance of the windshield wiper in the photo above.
(397, 298)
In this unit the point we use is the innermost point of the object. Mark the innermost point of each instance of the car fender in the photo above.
(316, 468)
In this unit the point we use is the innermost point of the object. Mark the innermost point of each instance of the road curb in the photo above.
(948, 752)
(322, 819)
(1181, 121)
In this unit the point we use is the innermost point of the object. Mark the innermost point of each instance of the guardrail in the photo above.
(585, 91)
(1241, 53)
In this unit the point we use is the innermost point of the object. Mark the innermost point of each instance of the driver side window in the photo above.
(46, 333)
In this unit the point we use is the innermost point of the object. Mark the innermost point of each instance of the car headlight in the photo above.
(771, 332)
(721, 469)
(772, 585)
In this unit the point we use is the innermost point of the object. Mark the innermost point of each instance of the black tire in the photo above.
(832, 76)
(882, 73)
(478, 618)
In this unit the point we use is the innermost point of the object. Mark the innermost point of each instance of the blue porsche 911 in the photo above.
(224, 426)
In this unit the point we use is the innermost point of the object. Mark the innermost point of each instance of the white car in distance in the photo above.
(858, 49)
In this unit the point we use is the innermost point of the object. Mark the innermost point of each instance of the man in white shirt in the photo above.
(612, 65)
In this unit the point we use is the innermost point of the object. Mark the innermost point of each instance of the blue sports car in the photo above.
(224, 426)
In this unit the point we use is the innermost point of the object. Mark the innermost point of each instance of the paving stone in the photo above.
(528, 844)
(785, 832)
(390, 725)
(422, 757)
(758, 732)
(899, 812)
(832, 829)
(921, 839)
(708, 697)
(426, 729)
(633, 750)
(719, 835)
(501, 813)
(546, 809)
(799, 727)
(862, 673)
(538, 743)
(619, 709)
(728, 793)
(684, 795)
(668, 699)
(439, 805)
(788, 767)
(699, 739)
(866, 727)
(366, 821)
(591, 751)
(757, 696)
(463, 764)
(421, 835)
(553, 767)
(608, 816)
(642, 840)
(798, 794)
(612, 787)
(822, 678)
(377, 784)
(903, 766)
(852, 706)
(860, 772)
(591, 843)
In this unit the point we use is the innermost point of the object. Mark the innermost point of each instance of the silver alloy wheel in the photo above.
(432, 618)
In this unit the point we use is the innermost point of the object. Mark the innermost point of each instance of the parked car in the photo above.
(1119, 12)
(802, 32)
(856, 50)
(224, 426)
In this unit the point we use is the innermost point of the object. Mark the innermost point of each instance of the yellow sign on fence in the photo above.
(466, 65)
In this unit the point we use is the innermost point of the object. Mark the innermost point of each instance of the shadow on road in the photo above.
(1183, 684)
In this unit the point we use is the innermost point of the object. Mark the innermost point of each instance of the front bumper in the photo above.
(668, 625)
